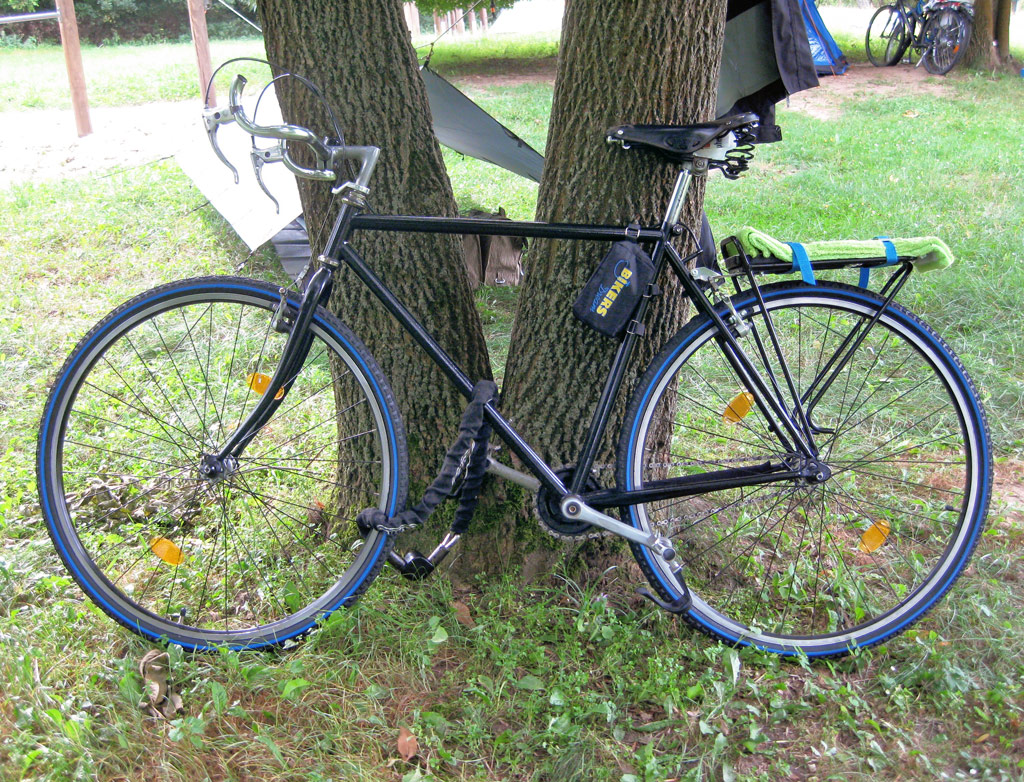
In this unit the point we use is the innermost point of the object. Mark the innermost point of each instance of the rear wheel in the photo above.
(948, 32)
(260, 552)
(814, 568)
(887, 37)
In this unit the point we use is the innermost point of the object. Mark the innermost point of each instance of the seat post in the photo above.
(675, 203)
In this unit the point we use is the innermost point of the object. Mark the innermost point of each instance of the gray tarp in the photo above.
(764, 59)
(465, 127)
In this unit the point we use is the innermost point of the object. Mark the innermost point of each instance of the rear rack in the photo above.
(736, 261)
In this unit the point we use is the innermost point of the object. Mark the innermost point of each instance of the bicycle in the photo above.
(804, 468)
(939, 30)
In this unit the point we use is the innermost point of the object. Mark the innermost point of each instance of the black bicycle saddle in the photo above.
(677, 142)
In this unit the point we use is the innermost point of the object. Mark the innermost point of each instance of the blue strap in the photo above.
(891, 259)
(865, 277)
(802, 262)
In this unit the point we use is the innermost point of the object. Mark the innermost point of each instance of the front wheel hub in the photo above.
(214, 469)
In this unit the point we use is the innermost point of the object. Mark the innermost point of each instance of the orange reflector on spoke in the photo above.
(738, 408)
(259, 383)
(167, 551)
(874, 536)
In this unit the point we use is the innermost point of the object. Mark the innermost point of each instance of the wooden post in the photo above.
(197, 21)
(73, 61)
(483, 20)
(471, 19)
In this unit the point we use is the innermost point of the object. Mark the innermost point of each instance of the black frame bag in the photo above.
(612, 294)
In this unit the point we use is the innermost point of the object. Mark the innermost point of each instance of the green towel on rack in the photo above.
(927, 252)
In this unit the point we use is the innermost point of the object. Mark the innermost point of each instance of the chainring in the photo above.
(550, 513)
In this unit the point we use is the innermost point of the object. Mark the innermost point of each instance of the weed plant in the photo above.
(559, 681)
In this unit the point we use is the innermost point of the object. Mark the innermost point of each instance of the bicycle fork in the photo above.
(293, 356)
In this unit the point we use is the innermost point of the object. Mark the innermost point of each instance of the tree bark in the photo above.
(642, 61)
(989, 48)
(980, 53)
(1002, 31)
(360, 54)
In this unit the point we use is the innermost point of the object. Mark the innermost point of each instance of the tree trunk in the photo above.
(360, 55)
(989, 48)
(644, 61)
(1002, 31)
(980, 53)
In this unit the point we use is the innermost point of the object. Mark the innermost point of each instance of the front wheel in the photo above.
(948, 32)
(887, 37)
(259, 551)
(815, 568)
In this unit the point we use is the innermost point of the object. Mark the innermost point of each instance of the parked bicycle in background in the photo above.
(938, 30)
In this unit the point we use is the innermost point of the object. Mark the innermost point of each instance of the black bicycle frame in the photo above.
(791, 436)
(484, 227)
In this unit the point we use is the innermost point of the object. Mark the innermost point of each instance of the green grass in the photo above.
(114, 76)
(559, 681)
(493, 55)
(131, 75)
(524, 110)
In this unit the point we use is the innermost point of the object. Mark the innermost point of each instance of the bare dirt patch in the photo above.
(508, 73)
(860, 81)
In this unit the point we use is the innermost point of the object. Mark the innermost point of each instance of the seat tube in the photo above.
(609, 394)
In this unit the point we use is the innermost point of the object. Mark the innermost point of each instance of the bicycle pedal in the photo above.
(678, 606)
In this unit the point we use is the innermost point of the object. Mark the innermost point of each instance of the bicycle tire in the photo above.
(802, 568)
(948, 32)
(887, 37)
(267, 551)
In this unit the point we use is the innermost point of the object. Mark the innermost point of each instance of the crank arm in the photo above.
(576, 509)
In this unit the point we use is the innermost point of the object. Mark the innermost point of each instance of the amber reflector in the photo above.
(167, 551)
(738, 408)
(259, 383)
(874, 536)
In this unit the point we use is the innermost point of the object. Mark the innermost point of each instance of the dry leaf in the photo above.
(462, 615)
(154, 668)
(407, 744)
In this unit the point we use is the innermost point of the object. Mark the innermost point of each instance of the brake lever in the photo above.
(260, 157)
(213, 119)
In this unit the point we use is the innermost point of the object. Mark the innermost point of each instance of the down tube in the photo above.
(452, 370)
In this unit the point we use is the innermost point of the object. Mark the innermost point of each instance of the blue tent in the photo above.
(828, 59)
